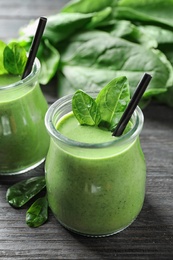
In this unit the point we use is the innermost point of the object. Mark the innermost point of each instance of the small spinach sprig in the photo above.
(20, 193)
(13, 58)
(106, 110)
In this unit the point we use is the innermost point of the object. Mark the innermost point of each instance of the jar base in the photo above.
(96, 235)
(29, 168)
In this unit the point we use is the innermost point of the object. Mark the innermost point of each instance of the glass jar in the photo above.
(94, 189)
(24, 140)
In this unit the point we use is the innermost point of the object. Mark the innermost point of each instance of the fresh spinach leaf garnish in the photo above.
(112, 101)
(2, 47)
(85, 109)
(108, 107)
(13, 58)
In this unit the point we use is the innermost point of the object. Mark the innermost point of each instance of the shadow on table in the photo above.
(149, 237)
(159, 113)
(11, 179)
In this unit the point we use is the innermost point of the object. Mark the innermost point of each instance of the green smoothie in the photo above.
(23, 137)
(6, 80)
(94, 189)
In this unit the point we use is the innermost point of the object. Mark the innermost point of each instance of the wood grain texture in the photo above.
(151, 234)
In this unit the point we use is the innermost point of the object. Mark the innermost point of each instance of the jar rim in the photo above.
(130, 136)
(34, 73)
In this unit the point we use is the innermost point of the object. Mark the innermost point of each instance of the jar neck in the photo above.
(29, 80)
(64, 106)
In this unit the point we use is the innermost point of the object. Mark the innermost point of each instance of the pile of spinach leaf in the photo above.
(88, 43)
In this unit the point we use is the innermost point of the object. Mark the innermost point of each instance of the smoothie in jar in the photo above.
(95, 182)
(23, 137)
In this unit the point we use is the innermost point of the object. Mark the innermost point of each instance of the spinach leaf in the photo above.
(146, 10)
(112, 101)
(14, 58)
(93, 63)
(20, 193)
(85, 109)
(99, 17)
(37, 214)
(164, 38)
(68, 48)
(49, 58)
(58, 28)
(161, 35)
(108, 107)
(127, 30)
(2, 69)
(61, 26)
(88, 6)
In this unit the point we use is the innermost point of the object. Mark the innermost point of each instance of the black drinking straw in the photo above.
(34, 46)
(132, 104)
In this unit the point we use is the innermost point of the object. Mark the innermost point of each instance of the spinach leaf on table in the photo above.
(20, 193)
(100, 17)
(61, 26)
(129, 31)
(163, 37)
(49, 58)
(151, 11)
(160, 34)
(93, 63)
(37, 214)
(88, 6)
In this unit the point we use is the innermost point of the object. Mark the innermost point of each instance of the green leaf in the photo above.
(127, 30)
(88, 6)
(14, 58)
(112, 101)
(49, 58)
(2, 47)
(85, 109)
(146, 10)
(37, 214)
(20, 193)
(99, 17)
(101, 61)
(161, 35)
(59, 27)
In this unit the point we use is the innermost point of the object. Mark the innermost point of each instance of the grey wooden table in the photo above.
(149, 237)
